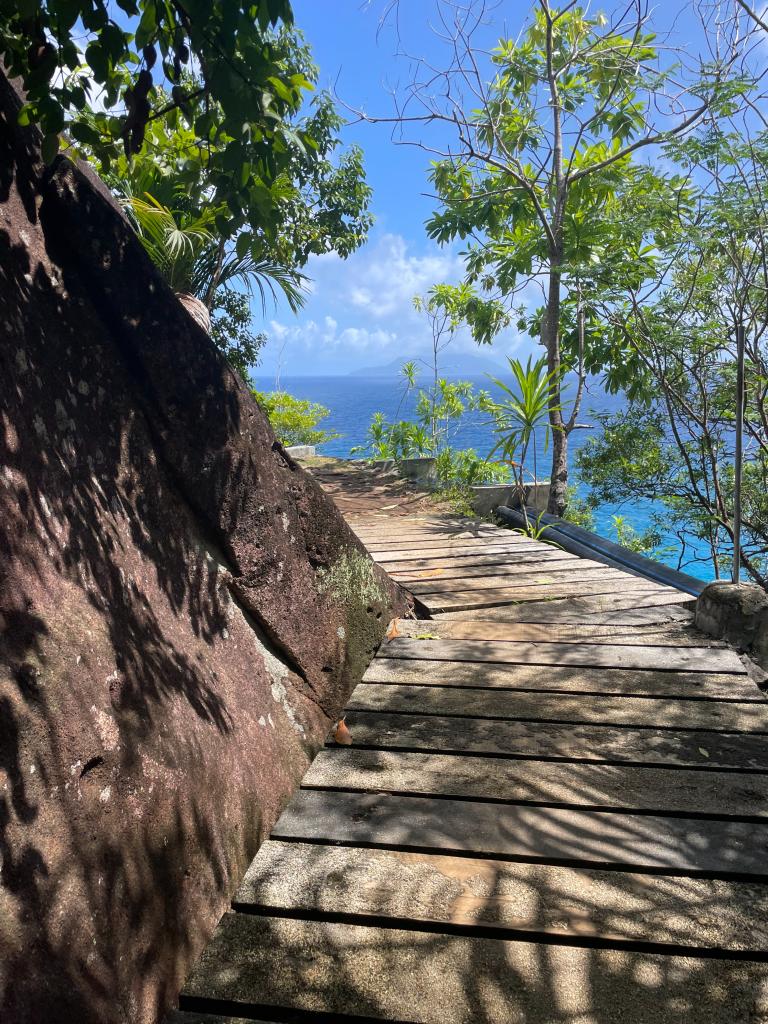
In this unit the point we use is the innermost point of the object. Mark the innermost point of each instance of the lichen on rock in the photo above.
(352, 579)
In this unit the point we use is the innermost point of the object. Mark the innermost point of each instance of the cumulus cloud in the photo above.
(360, 311)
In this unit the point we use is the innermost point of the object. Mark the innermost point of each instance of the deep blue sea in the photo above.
(353, 400)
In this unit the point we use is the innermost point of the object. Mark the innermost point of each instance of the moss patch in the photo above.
(352, 579)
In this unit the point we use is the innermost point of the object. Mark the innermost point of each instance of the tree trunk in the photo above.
(550, 338)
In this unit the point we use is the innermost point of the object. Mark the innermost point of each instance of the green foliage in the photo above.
(398, 440)
(536, 528)
(249, 83)
(188, 252)
(352, 580)
(318, 201)
(675, 442)
(464, 467)
(648, 543)
(458, 497)
(525, 407)
(232, 331)
(540, 183)
(439, 409)
(534, 204)
(580, 511)
(295, 420)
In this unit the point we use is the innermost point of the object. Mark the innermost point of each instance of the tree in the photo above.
(233, 130)
(232, 331)
(245, 72)
(675, 443)
(443, 308)
(295, 420)
(320, 204)
(536, 158)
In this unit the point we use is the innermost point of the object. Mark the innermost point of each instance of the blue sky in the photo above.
(359, 312)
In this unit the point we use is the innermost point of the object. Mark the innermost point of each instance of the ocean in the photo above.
(352, 401)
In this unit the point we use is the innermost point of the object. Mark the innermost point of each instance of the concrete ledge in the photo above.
(488, 497)
(737, 613)
(301, 451)
(420, 470)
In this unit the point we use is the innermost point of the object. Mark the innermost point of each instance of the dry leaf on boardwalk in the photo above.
(341, 733)
(392, 630)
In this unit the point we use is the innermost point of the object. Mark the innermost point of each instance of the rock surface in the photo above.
(182, 611)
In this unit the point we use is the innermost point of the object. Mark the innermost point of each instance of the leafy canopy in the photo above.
(295, 420)
(237, 117)
(545, 158)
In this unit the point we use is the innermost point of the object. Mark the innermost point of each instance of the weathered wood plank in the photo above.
(726, 716)
(404, 553)
(432, 585)
(468, 599)
(570, 679)
(345, 969)
(602, 607)
(683, 659)
(552, 834)
(443, 534)
(516, 568)
(453, 540)
(457, 562)
(627, 744)
(656, 635)
(591, 785)
(543, 898)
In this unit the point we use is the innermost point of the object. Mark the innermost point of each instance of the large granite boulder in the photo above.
(182, 611)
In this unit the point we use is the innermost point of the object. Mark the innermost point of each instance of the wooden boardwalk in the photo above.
(554, 809)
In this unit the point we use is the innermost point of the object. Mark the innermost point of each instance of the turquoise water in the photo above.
(353, 401)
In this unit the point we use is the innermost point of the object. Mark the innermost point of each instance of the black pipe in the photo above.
(578, 541)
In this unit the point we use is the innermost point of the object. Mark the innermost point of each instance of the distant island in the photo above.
(460, 364)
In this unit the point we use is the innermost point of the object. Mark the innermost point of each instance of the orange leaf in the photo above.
(341, 733)
(392, 630)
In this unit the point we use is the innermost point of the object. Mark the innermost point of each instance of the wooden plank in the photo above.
(605, 743)
(418, 551)
(532, 833)
(432, 585)
(623, 786)
(516, 568)
(343, 969)
(518, 896)
(564, 679)
(634, 596)
(438, 533)
(523, 558)
(727, 716)
(602, 607)
(657, 635)
(634, 656)
(443, 540)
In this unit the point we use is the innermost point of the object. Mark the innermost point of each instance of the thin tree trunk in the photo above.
(558, 481)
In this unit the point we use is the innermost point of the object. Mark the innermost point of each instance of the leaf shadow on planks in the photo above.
(388, 967)
(401, 923)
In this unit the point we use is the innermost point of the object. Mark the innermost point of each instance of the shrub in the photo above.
(295, 420)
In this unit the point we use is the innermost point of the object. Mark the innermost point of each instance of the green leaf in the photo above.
(50, 148)
(243, 244)
(145, 33)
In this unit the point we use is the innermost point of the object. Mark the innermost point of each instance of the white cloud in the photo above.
(360, 311)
